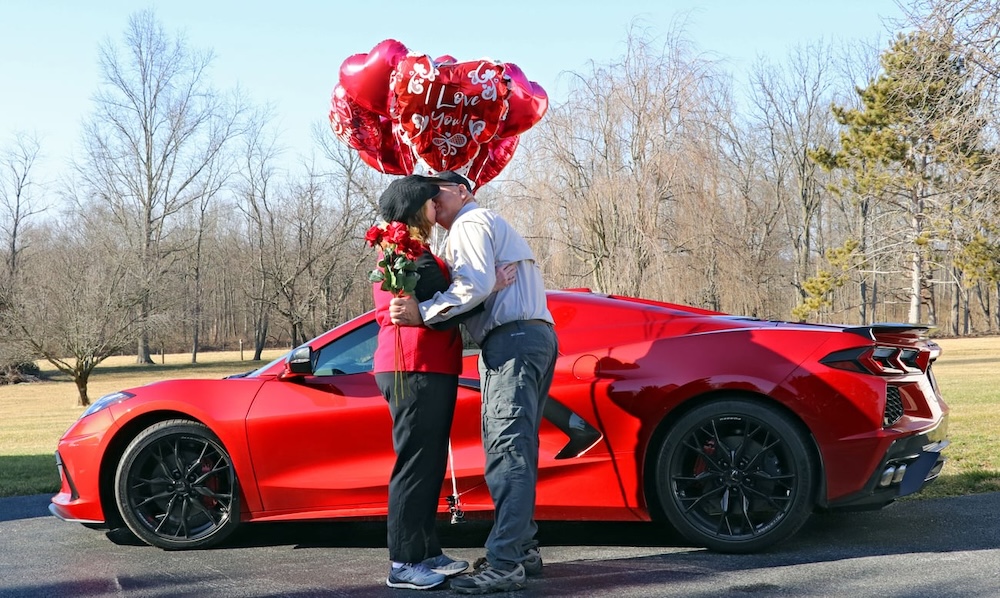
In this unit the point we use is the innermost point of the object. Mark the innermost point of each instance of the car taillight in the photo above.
(878, 360)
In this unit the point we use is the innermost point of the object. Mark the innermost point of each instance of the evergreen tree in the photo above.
(916, 131)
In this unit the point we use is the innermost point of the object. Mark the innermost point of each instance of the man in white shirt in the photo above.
(516, 363)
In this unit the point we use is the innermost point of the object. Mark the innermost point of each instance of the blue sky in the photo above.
(288, 53)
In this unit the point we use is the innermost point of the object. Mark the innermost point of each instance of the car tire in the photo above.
(176, 487)
(736, 476)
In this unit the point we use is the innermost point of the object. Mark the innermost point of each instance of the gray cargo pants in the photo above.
(516, 365)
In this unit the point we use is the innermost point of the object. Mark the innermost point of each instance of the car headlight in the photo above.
(107, 401)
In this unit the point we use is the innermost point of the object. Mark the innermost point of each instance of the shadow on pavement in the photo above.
(944, 546)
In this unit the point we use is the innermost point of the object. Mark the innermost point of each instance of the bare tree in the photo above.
(210, 186)
(256, 191)
(157, 129)
(970, 29)
(81, 308)
(17, 197)
(17, 208)
(737, 225)
(791, 105)
(320, 234)
(614, 159)
(354, 188)
(973, 24)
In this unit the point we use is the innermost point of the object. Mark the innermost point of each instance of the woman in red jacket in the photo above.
(421, 400)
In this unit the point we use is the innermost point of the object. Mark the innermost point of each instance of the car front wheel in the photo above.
(736, 476)
(176, 487)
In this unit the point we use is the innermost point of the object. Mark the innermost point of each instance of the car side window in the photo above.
(353, 353)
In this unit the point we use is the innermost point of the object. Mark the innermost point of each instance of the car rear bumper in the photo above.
(909, 464)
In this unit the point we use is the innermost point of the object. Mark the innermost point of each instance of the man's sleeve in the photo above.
(473, 273)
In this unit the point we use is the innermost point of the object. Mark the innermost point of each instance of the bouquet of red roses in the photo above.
(397, 271)
(397, 265)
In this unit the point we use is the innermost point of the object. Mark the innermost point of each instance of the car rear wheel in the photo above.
(736, 476)
(176, 487)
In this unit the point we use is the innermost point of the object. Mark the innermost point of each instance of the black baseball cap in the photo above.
(405, 196)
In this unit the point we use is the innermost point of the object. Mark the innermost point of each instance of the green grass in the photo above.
(34, 416)
(28, 474)
(968, 374)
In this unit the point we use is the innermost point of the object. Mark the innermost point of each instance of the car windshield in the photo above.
(259, 370)
(352, 353)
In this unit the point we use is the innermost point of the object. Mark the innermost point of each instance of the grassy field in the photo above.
(34, 416)
(968, 374)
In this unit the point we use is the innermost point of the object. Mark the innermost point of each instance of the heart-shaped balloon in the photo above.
(365, 77)
(446, 111)
(527, 102)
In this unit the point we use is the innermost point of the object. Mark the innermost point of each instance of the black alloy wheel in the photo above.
(176, 487)
(736, 476)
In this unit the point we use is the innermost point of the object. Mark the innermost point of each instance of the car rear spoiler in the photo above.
(872, 331)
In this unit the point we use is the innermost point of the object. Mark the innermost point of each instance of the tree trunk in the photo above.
(863, 303)
(259, 336)
(956, 300)
(80, 378)
(194, 337)
(142, 353)
(916, 266)
(196, 316)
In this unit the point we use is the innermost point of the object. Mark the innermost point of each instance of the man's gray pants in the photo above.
(516, 366)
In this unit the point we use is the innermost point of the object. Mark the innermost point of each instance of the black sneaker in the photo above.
(533, 563)
(488, 579)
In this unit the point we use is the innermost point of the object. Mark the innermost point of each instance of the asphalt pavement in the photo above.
(915, 548)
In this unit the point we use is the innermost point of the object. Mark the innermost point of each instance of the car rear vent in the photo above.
(893, 406)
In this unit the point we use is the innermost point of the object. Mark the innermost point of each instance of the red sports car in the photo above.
(732, 429)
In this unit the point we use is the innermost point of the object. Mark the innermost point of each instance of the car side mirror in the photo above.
(298, 363)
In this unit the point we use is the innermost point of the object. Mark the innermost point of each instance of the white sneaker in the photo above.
(445, 565)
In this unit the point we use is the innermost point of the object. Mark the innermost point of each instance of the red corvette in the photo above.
(732, 429)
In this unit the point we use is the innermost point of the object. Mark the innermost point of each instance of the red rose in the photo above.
(413, 249)
(374, 235)
(397, 233)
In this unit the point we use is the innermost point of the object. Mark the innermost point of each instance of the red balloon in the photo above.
(492, 158)
(386, 161)
(527, 103)
(372, 135)
(365, 77)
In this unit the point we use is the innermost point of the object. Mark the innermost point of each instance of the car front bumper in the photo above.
(78, 459)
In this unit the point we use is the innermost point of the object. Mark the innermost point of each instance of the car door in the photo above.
(324, 441)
